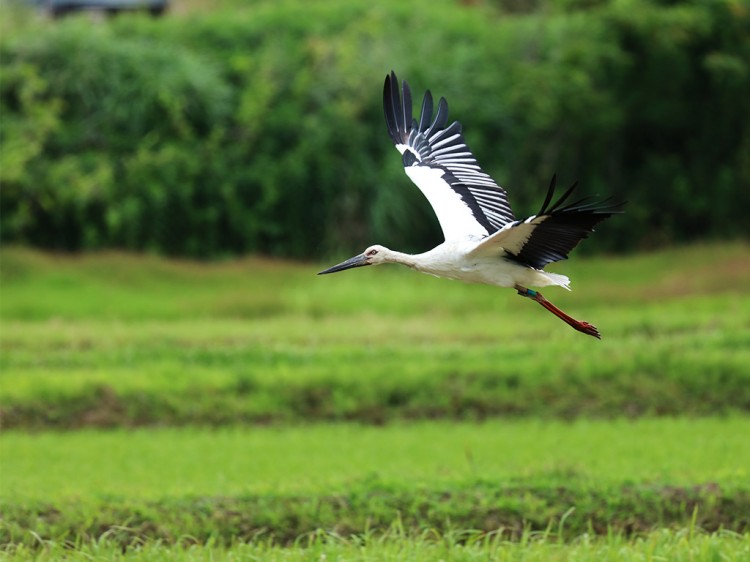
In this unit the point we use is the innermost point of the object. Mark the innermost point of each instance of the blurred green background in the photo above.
(256, 127)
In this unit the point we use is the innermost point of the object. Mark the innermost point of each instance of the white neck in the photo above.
(444, 260)
(392, 256)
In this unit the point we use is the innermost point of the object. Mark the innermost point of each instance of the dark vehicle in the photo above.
(59, 8)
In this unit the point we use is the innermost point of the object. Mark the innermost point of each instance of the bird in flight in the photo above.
(484, 242)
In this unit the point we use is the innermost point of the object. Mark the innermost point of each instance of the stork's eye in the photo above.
(372, 252)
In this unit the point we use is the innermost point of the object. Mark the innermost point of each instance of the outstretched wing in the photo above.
(552, 233)
(466, 200)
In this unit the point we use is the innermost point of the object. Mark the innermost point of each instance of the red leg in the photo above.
(579, 325)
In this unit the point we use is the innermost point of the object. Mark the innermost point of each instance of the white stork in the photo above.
(484, 243)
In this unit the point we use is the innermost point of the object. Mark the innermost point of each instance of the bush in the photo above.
(261, 130)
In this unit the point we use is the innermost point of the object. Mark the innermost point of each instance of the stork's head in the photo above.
(374, 255)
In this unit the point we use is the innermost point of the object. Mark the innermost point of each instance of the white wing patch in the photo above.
(456, 219)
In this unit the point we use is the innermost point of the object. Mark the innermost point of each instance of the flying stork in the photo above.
(484, 243)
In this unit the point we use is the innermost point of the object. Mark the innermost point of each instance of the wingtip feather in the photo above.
(550, 193)
(426, 114)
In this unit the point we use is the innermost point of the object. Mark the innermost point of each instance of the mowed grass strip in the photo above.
(327, 459)
(118, 340)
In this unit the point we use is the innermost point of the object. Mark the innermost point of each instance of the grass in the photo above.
(160, 484)
(676, 546)
(119, 340)
(122, 287)
(324, 459)
(508, 510)
(376, 414)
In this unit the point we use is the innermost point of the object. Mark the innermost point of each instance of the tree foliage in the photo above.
(261, 129)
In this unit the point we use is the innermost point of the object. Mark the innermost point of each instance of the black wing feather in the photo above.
(437, 146)
(426, 114)
(441, 119)
(393, 111)
(406, 106)
(561, 227)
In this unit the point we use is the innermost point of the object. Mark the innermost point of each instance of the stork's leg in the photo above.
(579, 325)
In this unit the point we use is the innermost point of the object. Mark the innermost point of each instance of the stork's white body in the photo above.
(457, 260)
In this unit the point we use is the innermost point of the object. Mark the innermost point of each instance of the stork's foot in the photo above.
(587, 328)
(579, 325)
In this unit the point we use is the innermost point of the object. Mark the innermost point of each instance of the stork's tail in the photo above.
(555, 279)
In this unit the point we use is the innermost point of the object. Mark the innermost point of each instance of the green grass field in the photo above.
(162, 404)
(328, 458)
(113, 340)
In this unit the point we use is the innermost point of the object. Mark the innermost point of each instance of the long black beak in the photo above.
(356, 261)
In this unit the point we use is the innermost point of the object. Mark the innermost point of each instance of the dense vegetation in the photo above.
(260, 129)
